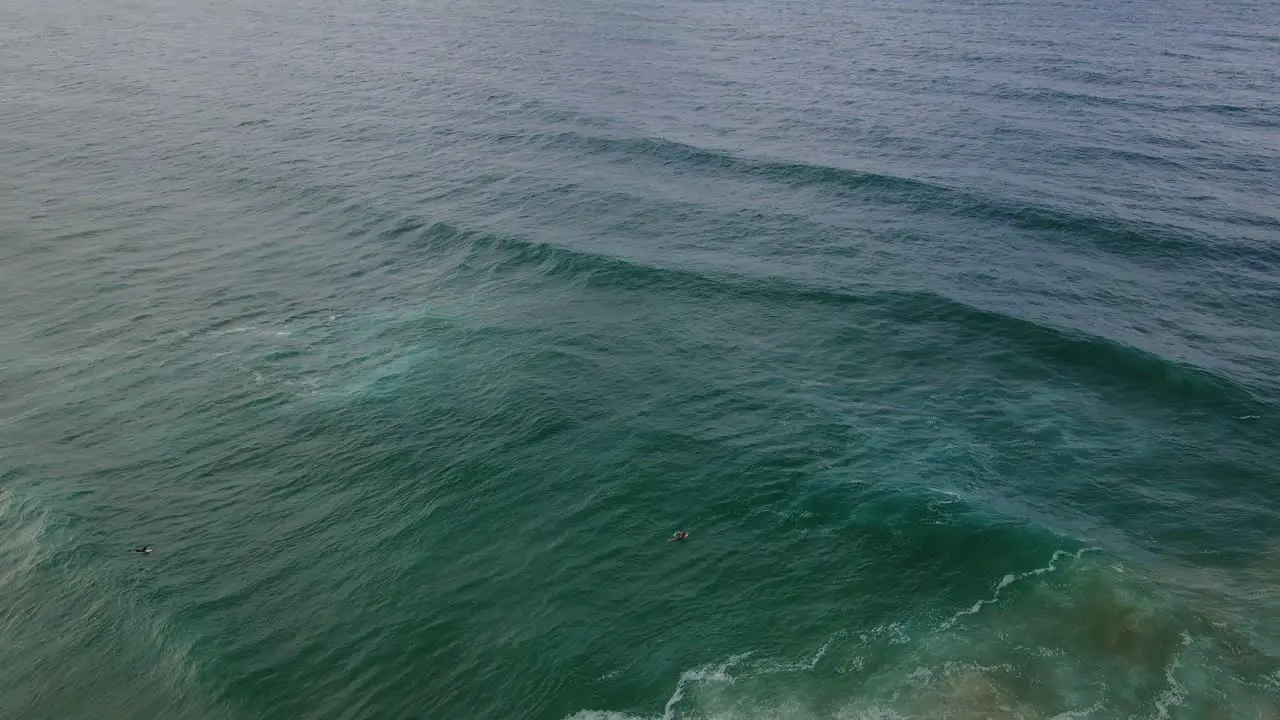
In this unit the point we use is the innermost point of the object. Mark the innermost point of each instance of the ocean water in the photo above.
(408, 332)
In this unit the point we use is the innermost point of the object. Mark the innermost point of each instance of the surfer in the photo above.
(144, 550)
(679, 536)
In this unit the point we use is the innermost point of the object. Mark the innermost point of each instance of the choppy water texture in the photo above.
(407, 332)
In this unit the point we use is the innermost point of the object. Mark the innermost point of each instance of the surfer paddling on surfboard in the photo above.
(679, 536)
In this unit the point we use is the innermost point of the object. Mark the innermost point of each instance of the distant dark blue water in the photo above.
(407, 333)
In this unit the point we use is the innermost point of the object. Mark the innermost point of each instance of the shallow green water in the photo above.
(407, 335)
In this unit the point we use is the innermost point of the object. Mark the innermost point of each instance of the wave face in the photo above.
(407, 333)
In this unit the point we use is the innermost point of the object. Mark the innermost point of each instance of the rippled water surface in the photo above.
(408, 332)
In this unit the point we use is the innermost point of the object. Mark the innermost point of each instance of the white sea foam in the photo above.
(875, 712)
(932, 679)
(1174, 692)
(703, 674)
(768, 667)
(1010, 579)
(718, 674)
(893, 631)
(1078, 714)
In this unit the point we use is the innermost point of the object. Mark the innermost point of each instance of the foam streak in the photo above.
(1008, 580)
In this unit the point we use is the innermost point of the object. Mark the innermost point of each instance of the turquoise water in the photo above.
(407, 333)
